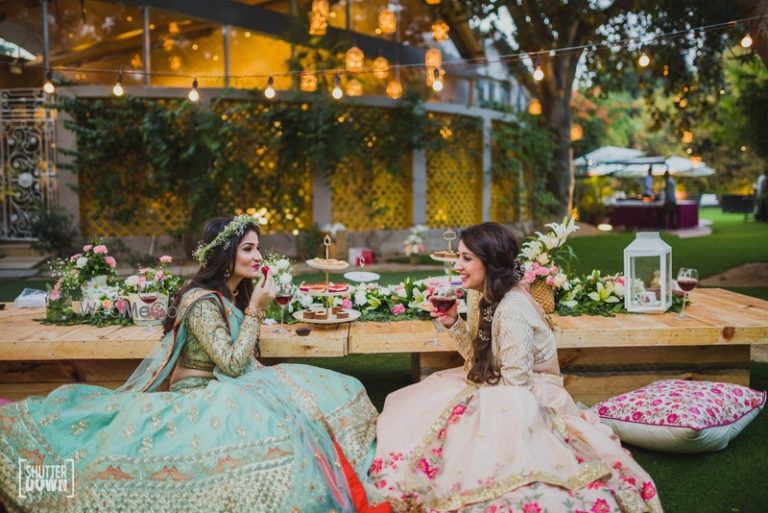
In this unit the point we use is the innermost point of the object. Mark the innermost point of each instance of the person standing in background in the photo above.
(761, 198)
(648, 184)
(670, 202)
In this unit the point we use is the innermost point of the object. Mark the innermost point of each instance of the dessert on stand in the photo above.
(326, 313)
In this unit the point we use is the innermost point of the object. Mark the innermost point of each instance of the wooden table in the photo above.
(600, 356)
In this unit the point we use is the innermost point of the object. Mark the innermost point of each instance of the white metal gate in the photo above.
(27, 160)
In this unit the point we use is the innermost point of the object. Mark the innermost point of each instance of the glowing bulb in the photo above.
(193, 94)
(644, 60)
(437, 84)
(269, 92)
(337, 93)
(746, 41)
(48, 87)
(538, 74)
(117, 89)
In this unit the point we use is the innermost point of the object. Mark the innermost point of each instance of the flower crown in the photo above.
(234, 227)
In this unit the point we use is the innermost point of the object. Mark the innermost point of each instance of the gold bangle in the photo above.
(257, 314)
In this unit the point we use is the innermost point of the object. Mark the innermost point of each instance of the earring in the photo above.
(227, 274)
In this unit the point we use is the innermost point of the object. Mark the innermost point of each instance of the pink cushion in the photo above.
(682, 416)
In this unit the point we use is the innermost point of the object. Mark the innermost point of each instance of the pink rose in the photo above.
(550, 281)
(87, 248)
(620, 280)
(398, 309)
(529, 276)
(553, 269)
(600, 506)
(110, 261)
(542, 271)
(166, 259)
(101, 249)
(75, 257)
(55, 295)
(531, 507)
(346, 304)
(535, 265)
(121, 305)
(649, 491)
(160, 275)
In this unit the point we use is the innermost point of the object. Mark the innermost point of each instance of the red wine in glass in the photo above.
(283, 299)
(687, 284)
(148, 299)
(443, 303)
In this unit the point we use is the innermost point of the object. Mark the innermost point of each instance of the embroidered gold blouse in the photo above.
(520, 335)
(209, 343)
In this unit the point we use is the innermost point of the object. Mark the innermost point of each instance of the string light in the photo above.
(644, 60)
(538, 73)
(318, 17)
(193, 95)
(437, 84)
(117, 89)
(337, 93)
(687, 137)
(433, 58)
(355, 60)
(48, 87)
(269, 92)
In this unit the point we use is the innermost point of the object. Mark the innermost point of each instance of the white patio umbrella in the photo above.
(605, 160)
(677, 166)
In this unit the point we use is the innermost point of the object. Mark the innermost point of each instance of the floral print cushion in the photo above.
(681, 416)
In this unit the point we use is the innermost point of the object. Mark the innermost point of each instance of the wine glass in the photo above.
(443, 299)
(283, 298)
(687, 279)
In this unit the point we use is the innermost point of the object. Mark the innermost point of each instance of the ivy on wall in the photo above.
(204, 160)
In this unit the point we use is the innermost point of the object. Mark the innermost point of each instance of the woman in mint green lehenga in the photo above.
(229, 435)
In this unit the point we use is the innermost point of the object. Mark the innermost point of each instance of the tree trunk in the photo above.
(556, 91)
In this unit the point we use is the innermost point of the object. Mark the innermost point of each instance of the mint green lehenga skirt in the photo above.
(256, 443)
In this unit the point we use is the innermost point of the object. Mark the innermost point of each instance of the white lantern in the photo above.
(648, 274)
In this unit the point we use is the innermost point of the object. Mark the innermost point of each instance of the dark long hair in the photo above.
(218, 265)
(497, 248)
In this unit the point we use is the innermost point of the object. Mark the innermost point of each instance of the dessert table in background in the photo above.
(634, 214)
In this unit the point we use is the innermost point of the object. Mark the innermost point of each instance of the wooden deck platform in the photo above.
(600, 356)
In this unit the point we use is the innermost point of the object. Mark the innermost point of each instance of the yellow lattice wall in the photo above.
(369, 196)
(154, 217)
(287, 195)
(454, 171)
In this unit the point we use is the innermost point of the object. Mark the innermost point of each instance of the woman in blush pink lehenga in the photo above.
(501, 434)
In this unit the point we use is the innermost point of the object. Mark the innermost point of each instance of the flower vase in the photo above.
(148, 308)
(544, 295)
(58, 310)
(97, 282)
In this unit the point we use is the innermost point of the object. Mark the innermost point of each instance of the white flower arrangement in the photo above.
(414, 243)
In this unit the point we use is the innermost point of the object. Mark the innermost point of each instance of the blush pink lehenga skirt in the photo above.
(446, 445)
